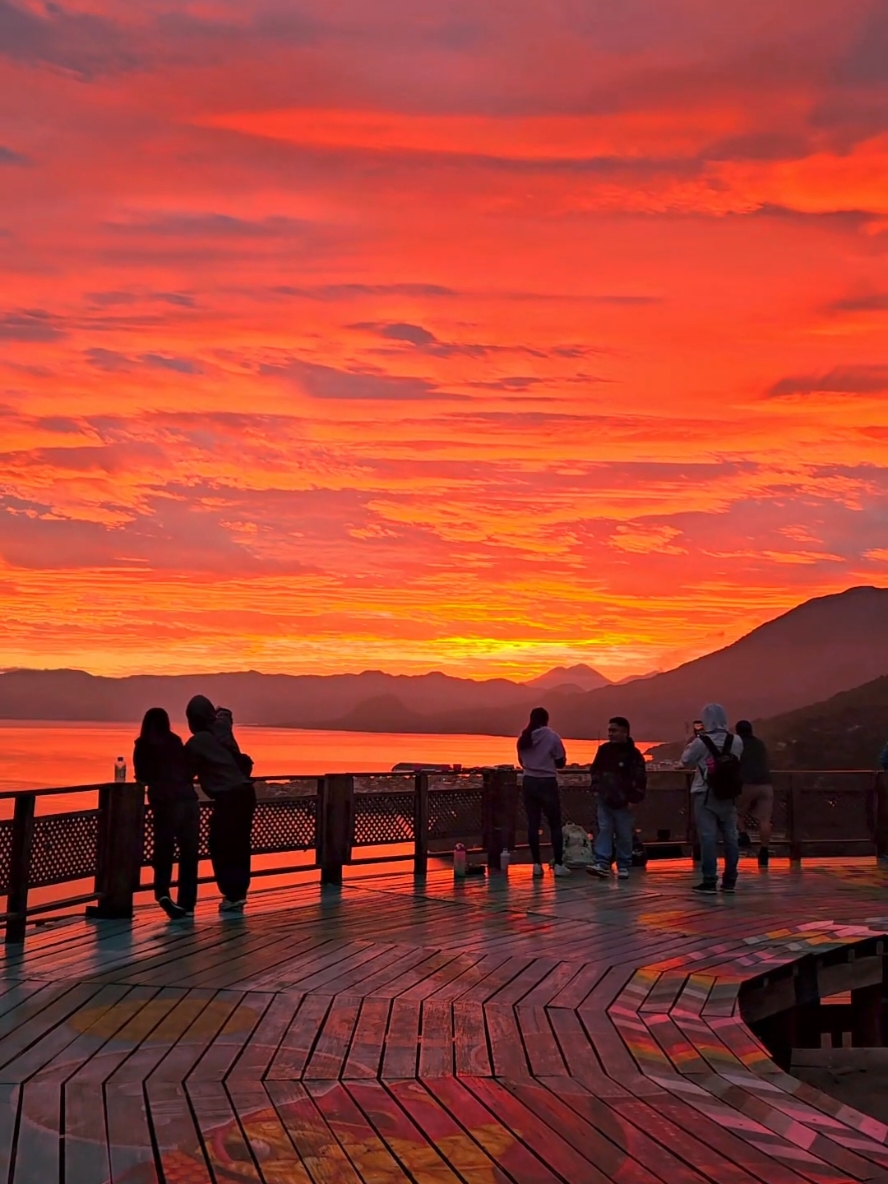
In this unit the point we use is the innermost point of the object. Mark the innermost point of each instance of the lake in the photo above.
(36, 754)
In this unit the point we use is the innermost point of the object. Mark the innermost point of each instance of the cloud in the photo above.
(327, 382)
(203, 225)
(113, 361)
(84, 43)
(10, 157)
(415, 334)
(30, 324)
(865, 302)
(115, 299)
(339, 292)
(841, 380)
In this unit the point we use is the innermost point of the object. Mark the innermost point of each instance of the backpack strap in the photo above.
(709, 744)
(728, 746)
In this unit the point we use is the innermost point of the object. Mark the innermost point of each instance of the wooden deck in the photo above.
(501, 1031)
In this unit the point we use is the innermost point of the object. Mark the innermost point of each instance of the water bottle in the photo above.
(504, 859)
(120, 769)
(459, 861)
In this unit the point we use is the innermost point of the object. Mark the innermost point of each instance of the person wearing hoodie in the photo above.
(160, 763)
(541, 754)
(714, 755)
(757, 798)
(224, 775)
(619, 776)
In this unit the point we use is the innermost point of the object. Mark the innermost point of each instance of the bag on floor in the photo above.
(577, 846)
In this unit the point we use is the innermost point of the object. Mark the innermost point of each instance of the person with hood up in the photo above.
(224, 775)
(714, 756)
(540, 754)
(160, 763)
(619, 775)
(757, 798)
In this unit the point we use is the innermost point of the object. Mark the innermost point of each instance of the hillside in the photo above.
(824, 646)
(573, 678)
(847, 731)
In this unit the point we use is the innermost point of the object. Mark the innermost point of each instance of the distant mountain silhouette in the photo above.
(576, 678)
(847, 731)
(822, 647)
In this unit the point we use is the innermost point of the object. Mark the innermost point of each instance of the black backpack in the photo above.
(723, 776)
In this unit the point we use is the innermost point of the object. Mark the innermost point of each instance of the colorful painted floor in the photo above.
(505, 1030)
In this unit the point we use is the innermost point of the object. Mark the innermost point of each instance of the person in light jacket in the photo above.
(713, 814)
(541, 754)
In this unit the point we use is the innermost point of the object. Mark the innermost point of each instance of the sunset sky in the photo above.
(474, 336)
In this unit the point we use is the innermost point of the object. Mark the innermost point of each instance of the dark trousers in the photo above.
(176, 823)
(541, 797)
(230, 834)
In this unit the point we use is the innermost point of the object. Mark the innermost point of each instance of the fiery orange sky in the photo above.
(476, 336)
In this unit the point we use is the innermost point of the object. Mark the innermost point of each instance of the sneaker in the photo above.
(623, 873)
(706, 888)
(764, 857)
(561, 870)
(231, 906)
(728, 887)
(173, 911)
(598, 869)
(537, 871)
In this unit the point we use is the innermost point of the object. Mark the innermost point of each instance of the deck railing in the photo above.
(337, 820)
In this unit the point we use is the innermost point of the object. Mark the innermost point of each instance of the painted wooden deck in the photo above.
(500, 1031)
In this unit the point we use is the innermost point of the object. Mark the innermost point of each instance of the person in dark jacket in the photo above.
(159, 763)
(757, 798)
(619, 775)
(224, 775)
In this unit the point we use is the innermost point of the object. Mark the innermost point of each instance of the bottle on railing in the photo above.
(504, 859)
(459, 861)
(120, 769)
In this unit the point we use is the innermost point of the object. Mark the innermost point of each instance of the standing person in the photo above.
(619, 776)
(160, 764)
(757, 797)
(540, 754)
(714, 756)
(224, 774)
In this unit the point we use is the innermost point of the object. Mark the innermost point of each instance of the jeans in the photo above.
(230, 837)
(713, 817)
(176, 822)
(541, 797)
(615, 827)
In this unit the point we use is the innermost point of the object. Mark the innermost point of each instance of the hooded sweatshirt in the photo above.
(212, 752)
(619, 774)
(539, 760)
(696, 755)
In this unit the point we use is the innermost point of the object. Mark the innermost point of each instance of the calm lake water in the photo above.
(37, 754)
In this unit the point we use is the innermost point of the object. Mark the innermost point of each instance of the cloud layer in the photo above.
(462, 337)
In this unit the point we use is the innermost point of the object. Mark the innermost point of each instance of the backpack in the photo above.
(723, 770)
(577, 846)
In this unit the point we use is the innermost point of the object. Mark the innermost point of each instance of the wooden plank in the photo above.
(540, 1044)
(471, 1051)
(402, 1039)
(86, 1146)
(260, 1049)
(331, 1049)
(436, 1039)
(179, 1144)
(372, 1160)
(129, 1134)
(404, 1139)
(506, 1047)
(265, 1134)
(228, 1043)
(298, 1041)
(368, 1040)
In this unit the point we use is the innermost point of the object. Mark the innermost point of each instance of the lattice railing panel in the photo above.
(5, 854)
(383, 818)
(64, 847)
(454, 814)
(285, 825)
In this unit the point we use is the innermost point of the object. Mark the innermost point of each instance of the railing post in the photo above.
(421, 824)
(498, 800)
(335, 818)
(119, 856)
(20, 867)
(692, 838)
(881, 816)
(794, 821)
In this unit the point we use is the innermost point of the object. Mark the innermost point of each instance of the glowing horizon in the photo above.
(454, 338)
